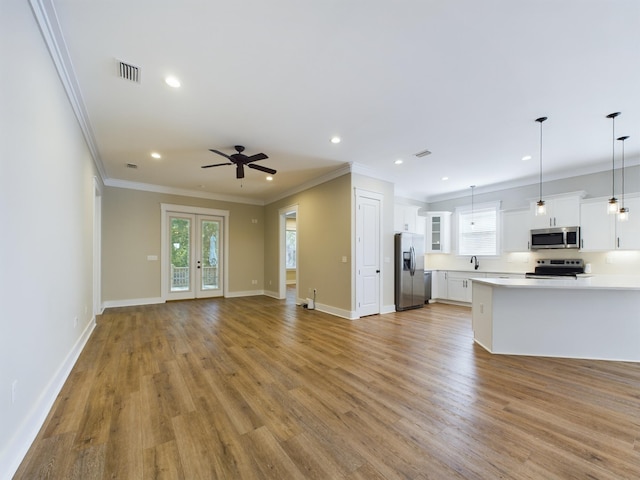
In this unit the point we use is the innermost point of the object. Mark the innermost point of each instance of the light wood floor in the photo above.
(253, 388)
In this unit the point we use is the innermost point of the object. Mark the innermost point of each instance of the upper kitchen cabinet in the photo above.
(516, 225)
(406, 219)
(628, 232)
(600, 231)
(438, 232)
(597, 227)
(562, 211)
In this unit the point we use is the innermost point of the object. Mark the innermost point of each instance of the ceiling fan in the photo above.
(240, 160)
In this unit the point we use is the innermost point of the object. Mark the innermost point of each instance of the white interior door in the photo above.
(194, 256)
(368, 278)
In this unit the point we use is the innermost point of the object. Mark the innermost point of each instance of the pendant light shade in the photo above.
(541, 208)
(612, 205)
(623, 213)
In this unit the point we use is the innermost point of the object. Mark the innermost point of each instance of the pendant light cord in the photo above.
(541, 159)
(540, 120)
(613, 116)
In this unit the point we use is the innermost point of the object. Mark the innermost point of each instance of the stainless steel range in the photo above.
(546, 268)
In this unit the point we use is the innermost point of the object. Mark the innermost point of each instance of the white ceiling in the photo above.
(462, 78)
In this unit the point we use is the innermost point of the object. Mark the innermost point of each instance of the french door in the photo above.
(194, 256)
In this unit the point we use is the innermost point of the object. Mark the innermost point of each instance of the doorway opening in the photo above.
(289, 271)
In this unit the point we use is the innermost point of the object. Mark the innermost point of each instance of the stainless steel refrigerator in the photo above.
(409, 265)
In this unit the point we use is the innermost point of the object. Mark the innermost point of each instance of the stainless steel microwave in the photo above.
(557, 237)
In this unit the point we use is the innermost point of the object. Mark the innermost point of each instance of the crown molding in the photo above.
(148, 187)
(47, 20)
(343, 170)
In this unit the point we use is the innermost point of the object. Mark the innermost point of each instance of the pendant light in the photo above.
(612, 206)
(623, 213)
(473, 223)
(541, 208)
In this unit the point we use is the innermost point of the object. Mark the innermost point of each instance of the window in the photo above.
(290, 245)
(478, 229)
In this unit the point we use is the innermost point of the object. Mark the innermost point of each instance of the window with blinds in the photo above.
(478, 230)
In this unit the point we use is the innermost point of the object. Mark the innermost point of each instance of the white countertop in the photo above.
(602, 282)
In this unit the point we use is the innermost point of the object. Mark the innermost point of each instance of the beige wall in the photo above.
(324, 237)
(131, 222)
(386, 189)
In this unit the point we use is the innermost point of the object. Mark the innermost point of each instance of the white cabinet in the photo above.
(600, 231)
(438, 238)
(406, 219)
(562, 211)
(459, 285)
(439, 286)
(597, 227)
(628, 233)
(459, 288)
(516, 227)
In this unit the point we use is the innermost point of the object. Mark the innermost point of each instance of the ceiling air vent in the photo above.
(128, 72)
(423, 153)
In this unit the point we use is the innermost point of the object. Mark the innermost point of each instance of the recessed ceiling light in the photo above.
(444, 179)
(398, 162)
(156, 155)
(269, 178)
(335, 139)
(172, 82)
(526, 158)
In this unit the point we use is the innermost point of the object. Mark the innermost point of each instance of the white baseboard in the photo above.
(246, 293)
(19, 445)
(388, 309)
(338, 312)
(272, 294)
(131, 302)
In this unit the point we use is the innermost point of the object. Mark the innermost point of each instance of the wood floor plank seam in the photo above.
(259, 388)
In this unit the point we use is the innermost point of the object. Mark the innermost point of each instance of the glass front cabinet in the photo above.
(438, 239)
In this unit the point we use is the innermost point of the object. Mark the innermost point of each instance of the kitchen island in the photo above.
(596, 317)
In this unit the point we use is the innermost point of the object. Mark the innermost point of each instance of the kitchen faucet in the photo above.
(477, 264)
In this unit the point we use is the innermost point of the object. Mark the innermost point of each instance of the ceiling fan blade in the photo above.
(262, 169)
(256, 157)
(216, 165)
(220, 153)
(239, 170)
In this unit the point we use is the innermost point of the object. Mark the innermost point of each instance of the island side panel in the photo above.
(482, 315)
(580, 323)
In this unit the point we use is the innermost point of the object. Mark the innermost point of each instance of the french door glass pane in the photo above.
(180, 251)
(210, 254)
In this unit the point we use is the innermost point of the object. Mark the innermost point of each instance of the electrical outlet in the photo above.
(254, 282)
(14, 391)
(315, 291)
(75, 322)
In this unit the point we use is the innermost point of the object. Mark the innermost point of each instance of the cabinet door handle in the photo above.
(618, 239)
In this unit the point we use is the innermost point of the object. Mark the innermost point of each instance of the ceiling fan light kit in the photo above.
(239, 159)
